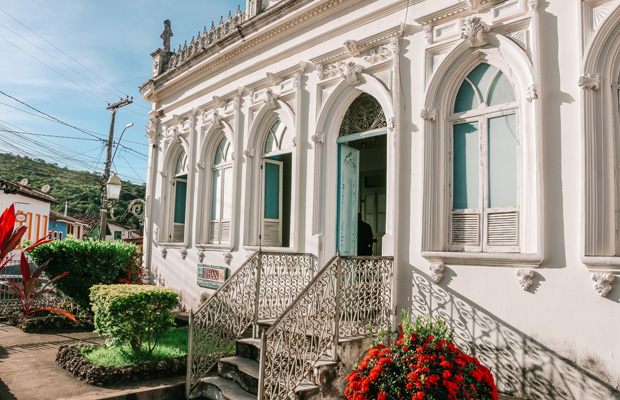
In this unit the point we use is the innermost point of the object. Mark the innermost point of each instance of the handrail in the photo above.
(261, 288)
(347, 295)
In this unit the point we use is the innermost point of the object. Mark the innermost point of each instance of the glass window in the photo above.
(221, 194)
(485, 163)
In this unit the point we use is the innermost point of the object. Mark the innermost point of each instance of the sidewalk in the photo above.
(28, 371)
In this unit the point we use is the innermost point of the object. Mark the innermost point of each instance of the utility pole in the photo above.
(103, 215)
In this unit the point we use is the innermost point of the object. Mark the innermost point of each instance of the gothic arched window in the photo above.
(484, 193)
(221, 193)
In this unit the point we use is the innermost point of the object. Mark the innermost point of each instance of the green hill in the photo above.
(81, 189)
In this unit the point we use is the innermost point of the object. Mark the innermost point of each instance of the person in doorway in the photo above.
(364, 237)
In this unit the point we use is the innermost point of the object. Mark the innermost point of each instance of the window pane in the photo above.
(179, 202)
(181, 165)
(466, 99)
(270, 143)
(272, 190)
(286, 141)
(502, 161)
(466, 166)
(481, 77)
(218, 156)
(227, 195)
(215, 193)
(501, 91)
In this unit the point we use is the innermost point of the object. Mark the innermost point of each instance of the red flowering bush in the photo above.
(423, 364)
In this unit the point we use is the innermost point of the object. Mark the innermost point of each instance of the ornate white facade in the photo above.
(488, 164)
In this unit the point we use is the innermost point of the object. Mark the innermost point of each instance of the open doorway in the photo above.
(362, 169)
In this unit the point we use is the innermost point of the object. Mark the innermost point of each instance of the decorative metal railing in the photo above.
(346, 296)
(262, 288)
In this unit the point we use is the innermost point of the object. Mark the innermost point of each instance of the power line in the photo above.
(67, 78)
(46, 135)
(60, 61)
(54, 118)
(60, 50)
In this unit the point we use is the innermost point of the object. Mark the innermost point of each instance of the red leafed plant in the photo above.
(27, 290)
(423, 364)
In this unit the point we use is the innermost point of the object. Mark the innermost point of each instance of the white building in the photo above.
(478, 138)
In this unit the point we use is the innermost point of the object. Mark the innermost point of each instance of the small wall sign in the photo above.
(211, 276)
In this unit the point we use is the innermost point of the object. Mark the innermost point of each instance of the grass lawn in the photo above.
(172, 343)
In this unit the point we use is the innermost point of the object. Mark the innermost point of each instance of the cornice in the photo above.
(460, 9)
(168, 83)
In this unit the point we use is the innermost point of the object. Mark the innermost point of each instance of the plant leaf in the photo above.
(37, 272)
(55, 310)
(24, 267)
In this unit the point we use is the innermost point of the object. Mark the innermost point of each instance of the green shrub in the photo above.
(88, 263)
(132, 313)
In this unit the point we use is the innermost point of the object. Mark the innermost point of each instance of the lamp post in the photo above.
(103, 212)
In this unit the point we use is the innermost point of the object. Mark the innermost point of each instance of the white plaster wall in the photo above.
(559, 339)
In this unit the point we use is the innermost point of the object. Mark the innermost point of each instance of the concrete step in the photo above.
(218, 388)
(248, 348)
(241, 370)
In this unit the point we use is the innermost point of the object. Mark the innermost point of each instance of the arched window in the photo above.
(179, 199)
(484, 193)
(221, 193)
(276, 193)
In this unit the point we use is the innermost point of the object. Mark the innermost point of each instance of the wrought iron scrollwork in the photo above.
(262, 288)
(364, 114)
(347, 295)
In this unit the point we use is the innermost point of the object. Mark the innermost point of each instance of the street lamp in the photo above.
(129, 125)
(113, 187)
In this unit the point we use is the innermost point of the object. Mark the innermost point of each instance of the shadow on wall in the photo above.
(521, 366)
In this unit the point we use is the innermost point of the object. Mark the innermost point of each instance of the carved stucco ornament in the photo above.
(217, 119)
(474, 30)
(437, 272)
(428, 114)
(602, 282)
(201, 257)
(164, 253)
(318, 138)
(248, 153)
(351, 47)
(428, 34)
(526, 277)
(228, 258)
(350, 73)
(183, 253)
(218, 101)
(273, 79)
(271, 99)
(532, 93)
(589, 82)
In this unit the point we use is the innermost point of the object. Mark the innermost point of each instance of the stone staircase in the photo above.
(238, 376)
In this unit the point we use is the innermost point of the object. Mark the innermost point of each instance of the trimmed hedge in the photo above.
(89, 263)
(134, 313)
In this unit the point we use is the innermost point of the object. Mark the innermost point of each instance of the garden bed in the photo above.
(121, 364)
(50, 322)
(71, 359)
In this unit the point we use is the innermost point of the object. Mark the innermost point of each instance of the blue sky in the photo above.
(69, 59)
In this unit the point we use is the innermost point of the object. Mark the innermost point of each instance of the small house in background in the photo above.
(64, 225)
(32, 207)
(118, 231)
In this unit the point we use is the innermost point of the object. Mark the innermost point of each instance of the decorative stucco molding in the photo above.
(602, 282)
(531, 5)
(379, 54)
(218, 101)
(163, 174)
(271, 99)
(428, 34)
(228, 258)
(151, 129)
(318, 138)
(273, 79)
(589, 82)
(183, 253)
(248, 153)
(164, 253)
(217, 119)
(351, 48)
(201, 256)
(351, 72)
(428, 114)
(532, 93)
(526, 277)
(437, 272)
(474, 30)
